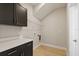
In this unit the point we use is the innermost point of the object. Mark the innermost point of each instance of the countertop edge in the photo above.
(13, 43)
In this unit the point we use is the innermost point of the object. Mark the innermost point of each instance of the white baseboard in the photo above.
(49, 45)
(36, 46)
(54, 46)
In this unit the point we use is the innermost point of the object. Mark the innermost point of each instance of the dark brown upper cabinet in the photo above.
(6, 13)
(13, 14)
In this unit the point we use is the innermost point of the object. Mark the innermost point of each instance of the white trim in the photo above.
(54, 46)
(49, 45)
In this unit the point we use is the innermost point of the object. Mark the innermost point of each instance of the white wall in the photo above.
(54, 28)
(33, 26)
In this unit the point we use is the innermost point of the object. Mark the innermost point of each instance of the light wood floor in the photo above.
(48, 51)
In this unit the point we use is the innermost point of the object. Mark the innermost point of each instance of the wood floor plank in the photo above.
(48, 51)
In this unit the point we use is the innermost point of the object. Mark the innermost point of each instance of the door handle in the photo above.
(75, 41)
(11, 52)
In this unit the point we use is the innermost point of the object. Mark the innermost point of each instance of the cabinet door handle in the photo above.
(11, 52)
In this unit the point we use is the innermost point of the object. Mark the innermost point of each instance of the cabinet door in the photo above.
(6, 13)
(15, 51)
(12, 52)
(20, 15)
(28, 49)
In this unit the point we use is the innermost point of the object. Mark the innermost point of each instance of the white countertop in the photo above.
(8, 44)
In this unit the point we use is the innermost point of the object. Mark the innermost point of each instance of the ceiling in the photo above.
(42, 10)
(34, 4)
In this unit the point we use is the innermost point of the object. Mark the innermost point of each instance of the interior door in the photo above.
(73, 29)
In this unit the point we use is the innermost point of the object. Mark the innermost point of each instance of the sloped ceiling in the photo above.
(34, 4)
(46, 9)
(42, 10)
